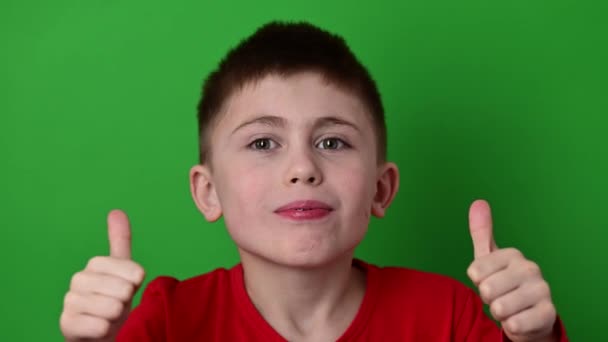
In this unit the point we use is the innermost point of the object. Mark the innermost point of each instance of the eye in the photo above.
(332, 144)
(262, 144)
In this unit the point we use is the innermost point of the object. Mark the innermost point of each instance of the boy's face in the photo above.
(294, 171)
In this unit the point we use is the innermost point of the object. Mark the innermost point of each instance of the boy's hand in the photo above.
(509, 283)
(99, 298)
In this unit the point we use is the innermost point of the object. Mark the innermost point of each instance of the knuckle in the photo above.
(138, 273)
(486, 290)
(114, 309)
(93, 262)
(141, 274)
(514, 252)
(99, 329)
(514, 325)
(543, 290)
(531, 268)
(497, 309)
(81, 327)
(126, 291)
(69, 300)
(549, 312)
(76, 280)
(473, 272)
(65, 323)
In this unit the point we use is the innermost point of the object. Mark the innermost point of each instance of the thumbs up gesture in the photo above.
(509, 283)
(99, 299)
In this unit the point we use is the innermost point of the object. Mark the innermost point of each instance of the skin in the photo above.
(307, 263)
(509, 283)
(299, 273)
(99, 299)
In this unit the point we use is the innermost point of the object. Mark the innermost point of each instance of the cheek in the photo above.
(242, 195)
(358, 189)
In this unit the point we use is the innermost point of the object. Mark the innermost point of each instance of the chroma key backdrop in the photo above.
(501, 100)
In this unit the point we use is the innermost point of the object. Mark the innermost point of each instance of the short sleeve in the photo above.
(148, 321)
(472, 324)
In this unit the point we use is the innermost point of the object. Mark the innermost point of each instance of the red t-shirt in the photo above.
(399, 304)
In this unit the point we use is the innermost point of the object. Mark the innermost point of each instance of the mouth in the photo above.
(305, 210)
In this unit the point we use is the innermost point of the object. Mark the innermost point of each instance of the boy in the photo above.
(292, 153)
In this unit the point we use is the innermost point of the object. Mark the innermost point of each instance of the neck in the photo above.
(303, 302)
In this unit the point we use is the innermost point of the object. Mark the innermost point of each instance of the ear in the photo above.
(387, 185)
(204, 193)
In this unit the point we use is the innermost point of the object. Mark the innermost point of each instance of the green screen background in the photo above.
(505, 101)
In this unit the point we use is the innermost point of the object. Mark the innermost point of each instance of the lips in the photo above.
(305, 210)
(305, 205)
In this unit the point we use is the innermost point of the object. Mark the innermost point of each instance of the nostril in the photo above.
(296, 179)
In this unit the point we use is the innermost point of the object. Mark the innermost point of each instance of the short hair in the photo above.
(285, 49)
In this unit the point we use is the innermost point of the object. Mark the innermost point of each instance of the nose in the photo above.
(304, 169)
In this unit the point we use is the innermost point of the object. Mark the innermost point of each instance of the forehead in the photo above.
(301, 98)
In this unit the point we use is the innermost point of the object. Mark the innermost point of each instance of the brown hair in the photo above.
(285, 49)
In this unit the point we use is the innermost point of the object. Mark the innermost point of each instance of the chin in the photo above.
(306, 251)
(303, 259)
(307, 261)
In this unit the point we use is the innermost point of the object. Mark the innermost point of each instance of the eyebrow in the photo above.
(277, 121)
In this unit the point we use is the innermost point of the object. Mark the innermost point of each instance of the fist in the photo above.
(510, 284)
(99, 299)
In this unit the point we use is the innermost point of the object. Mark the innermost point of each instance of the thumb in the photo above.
(480, 226)
(119, 234)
